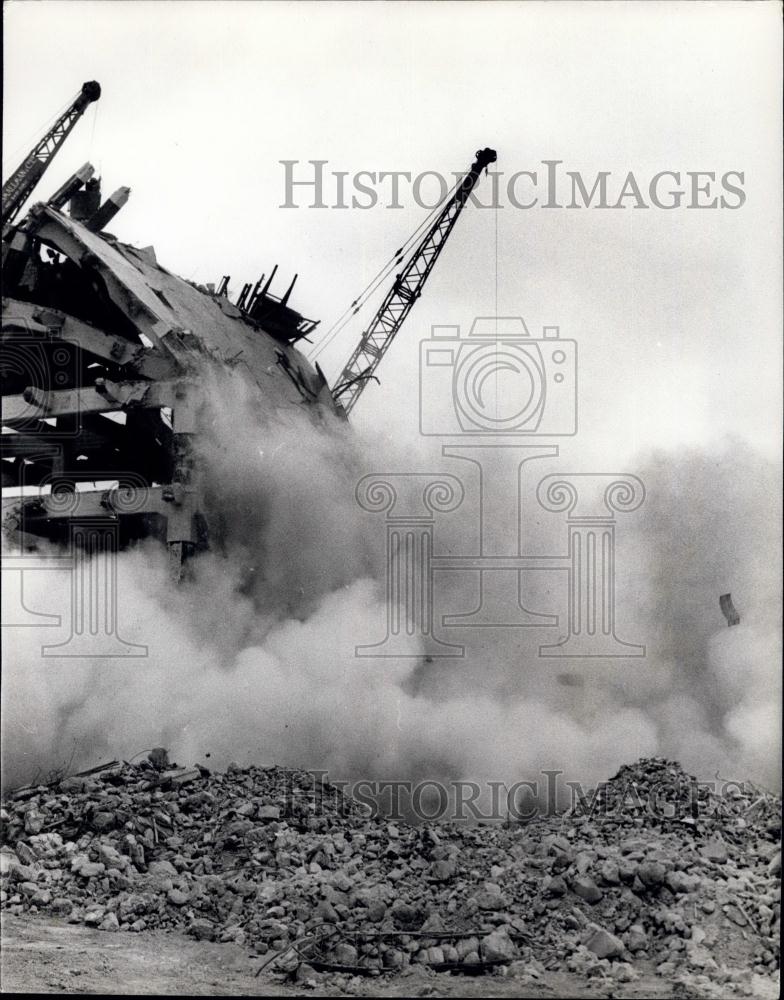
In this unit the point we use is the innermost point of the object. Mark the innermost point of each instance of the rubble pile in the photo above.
(289, 867)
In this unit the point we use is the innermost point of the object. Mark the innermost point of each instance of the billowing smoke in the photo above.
(252, 659)
(711, 526)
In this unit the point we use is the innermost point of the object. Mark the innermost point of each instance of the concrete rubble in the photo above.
(300, 875)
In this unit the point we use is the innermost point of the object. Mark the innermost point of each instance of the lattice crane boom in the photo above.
(19, 186)
(405, 290)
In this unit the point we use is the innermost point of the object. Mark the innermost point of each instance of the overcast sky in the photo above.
(677, 313)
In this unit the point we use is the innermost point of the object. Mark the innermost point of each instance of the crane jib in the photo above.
(19, 186)
(405, 290)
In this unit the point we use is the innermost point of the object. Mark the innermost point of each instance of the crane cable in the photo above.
(495, 213)
(380, 276)
(96, 107)
(370, 288)
(94, 123)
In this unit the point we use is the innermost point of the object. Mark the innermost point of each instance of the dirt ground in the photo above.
(44, 955)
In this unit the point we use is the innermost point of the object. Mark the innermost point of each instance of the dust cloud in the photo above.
(252, 658)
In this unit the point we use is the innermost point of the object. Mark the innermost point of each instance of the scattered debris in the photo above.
(287, 866)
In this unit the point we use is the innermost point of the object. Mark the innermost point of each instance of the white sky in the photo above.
(677, 314)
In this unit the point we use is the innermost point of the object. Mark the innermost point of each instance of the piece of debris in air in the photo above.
(728, 609)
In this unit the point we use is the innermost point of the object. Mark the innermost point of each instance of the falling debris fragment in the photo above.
(728, 609)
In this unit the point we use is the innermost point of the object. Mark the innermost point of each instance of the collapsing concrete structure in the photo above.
(105, 358)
